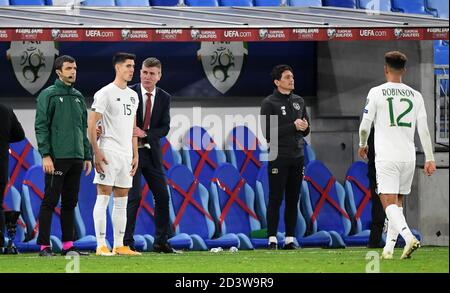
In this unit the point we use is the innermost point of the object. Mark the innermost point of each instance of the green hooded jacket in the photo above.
(61, 123)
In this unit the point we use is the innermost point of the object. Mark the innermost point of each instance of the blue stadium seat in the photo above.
(201, 154)
(209, 3)
(30, 2)
(171, 156)
(235, 2)
(378, 5)
(441, 55)
(321, 238)
(340, 3)
(4, 2)
(98, 3)
(244, 152)
(22, 156)
(304, 3)
(133, 3)
(12, 202)
(164, 2)
(233, 201)
(439, 8)
(189, 211)
(323, 204)
(409, 6)
(145, 224)
(359, 197)
(267, 2)
(310, 154)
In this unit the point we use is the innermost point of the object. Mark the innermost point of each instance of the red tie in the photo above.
(148, 111)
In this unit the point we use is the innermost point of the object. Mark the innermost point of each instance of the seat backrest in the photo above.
(233, 201)
(310, 154)
(235, 2)
(409, 6)
(208, 3)
(305, 3)
(190, 201)
(358, 196)
(98, 3)
(145, 219)
(131, 3)
(164, 2)
(30, 2)
(340, 3)
(244, 150)
(22, 156)
(4, 2)
(323, 201)
(378, 5)
(170, 156)
(440, 7)
(200, 154)
(267, 2)
(262, 194)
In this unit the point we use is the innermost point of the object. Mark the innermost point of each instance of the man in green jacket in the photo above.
(61, 132)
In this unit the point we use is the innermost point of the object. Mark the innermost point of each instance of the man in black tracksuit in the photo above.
(10, 131)
(286, 170)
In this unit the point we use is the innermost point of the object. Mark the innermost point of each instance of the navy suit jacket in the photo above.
(159, 122)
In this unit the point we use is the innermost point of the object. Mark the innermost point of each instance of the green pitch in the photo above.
(308, 260)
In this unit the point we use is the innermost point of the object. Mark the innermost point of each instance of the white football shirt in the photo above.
(118, 108)
(394, 108)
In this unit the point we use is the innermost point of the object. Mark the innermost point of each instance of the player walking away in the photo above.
(115, 153)
(395, 109)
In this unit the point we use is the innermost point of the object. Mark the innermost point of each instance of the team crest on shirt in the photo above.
(296, 106)
(102, 176)
(133, 101)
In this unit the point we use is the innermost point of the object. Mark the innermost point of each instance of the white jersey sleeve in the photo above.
(421, 112)
(100, 102)
(370, 109)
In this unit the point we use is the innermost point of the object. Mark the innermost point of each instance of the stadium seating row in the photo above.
(213, 203)
(437, 8)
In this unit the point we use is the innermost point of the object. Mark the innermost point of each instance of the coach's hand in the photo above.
(362, 152)
(139, 132)
(134, 165)
(47, 165)
(87, 167)
(429, 168)
(99, 158)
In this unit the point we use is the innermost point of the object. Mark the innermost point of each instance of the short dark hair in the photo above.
(122, 57)
(395, 60)
(59, 62)
(278, 70)
(152, 62)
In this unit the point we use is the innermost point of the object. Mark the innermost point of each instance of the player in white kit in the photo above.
(115, 153)
(396, 109)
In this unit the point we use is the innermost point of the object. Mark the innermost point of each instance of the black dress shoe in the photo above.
(132, 248)
(290, 246)
(273, 246)
(73, 252)
(164, 248)
(46, 252)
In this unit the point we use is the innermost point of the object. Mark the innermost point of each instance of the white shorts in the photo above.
(117, 172)
(394, 177)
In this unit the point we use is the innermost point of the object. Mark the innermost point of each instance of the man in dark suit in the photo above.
(153, 123)
(10, 131)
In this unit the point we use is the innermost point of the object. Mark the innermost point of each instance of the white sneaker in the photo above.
(409, 248)
(387, 255)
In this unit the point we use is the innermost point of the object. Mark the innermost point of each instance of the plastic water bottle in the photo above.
(233, 249)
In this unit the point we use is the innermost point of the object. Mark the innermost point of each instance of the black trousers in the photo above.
(152, 170)
(64, 182)
(285, 179)
(378, 214)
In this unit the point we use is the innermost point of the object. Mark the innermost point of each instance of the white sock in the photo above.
(100, 219)
(289, 240)
(391, 237)
(273, 239)
(119, 219)
(398, 221)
